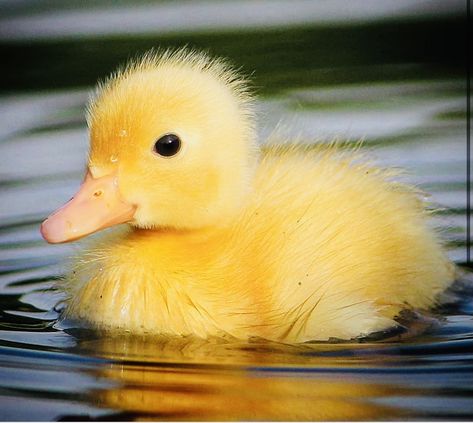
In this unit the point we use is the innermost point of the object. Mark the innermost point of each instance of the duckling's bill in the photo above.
(97, 205)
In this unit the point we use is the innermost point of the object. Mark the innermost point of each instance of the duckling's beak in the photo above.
(97, 205)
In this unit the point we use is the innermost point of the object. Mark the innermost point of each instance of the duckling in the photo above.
(223, 238)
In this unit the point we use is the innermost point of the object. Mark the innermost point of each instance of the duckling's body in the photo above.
(314, 254)
(310, 245)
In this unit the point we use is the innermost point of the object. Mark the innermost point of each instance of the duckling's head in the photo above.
(172, 145)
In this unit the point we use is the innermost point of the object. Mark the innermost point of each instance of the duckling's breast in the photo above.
(165, 283)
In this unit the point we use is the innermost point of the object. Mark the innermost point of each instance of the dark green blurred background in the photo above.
(410, 39)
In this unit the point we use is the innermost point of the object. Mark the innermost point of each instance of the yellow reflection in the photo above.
(198, 380)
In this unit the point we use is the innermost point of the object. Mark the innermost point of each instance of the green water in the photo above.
(390, 73)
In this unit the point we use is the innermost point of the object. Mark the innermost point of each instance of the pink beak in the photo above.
(97, 205)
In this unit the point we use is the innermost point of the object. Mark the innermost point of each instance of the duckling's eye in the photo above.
(167, 145)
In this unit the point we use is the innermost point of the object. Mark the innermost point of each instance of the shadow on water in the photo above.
(396, 81)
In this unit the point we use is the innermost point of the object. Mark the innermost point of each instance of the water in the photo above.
(386, 73)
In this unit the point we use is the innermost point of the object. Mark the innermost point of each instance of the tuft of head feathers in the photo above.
(181, 58)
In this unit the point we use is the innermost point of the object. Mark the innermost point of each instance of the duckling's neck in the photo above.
(177, 234)
(178, 245)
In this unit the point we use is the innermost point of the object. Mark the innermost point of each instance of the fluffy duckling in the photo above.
(223, 239)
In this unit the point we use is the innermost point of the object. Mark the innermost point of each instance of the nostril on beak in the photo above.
(98, 193)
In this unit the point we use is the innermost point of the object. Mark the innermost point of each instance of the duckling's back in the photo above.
(341, 249)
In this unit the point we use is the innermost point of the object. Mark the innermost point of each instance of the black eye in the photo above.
(167, 145)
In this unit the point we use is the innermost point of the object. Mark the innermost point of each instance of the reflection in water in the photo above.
(224, 391)
(229, 380)
(223, 395)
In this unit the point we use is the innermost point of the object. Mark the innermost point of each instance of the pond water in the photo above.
(382, 71)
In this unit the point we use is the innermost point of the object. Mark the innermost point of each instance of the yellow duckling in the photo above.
(286, 244)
